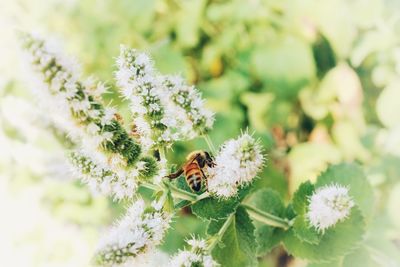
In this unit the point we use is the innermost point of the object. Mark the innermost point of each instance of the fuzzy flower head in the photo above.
(155, 124)
(329, 205)
(196, 256)
(237, 164)
(76, 104)
(134, 235)
(106, 176)
(189, 104)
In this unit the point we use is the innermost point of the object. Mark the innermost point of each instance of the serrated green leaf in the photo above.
(326, 264)
(269, 201)
(304, 232)
(360, 258)
(215, 209)
(182, 204)
(239, 248)
(352, 176)
(300, 197)
(336, 242)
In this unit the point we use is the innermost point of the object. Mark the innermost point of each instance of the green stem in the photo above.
(256, 214)
(266, 218)
(218, 237)
(162, 154)
(210, 144)
(182, 194)
(176, 192)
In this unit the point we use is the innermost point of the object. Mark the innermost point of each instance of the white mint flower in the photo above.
(196, 256)
(329, 205)
(108, 176)
(140, 85)
(137, 233)
(76, 101)
(76, 107)
(237, 164)
(187, 102)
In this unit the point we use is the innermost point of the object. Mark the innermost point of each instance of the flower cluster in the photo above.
(156, 125)
(110, 181)
(190, 104)
(329, 205)
(76, 106)
(137, 233)
(196, 256)
(237, 163)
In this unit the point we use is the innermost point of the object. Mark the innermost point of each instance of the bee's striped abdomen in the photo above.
(193, 176)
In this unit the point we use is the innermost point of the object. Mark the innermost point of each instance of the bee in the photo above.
(193, 169)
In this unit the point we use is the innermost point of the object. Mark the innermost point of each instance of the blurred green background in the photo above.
(317, 81)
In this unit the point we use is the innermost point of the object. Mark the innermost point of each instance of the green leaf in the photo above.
(188, 22)
(215, 209)
(267, 237)
(308, 159)
(335, 242)
(304, 231)
(238, 247)
(286, 63)
(324, 55)
(300, 198)
(387, 105)
(326, 264)
(301, 227)
(181, 204)
(361, 258)
(352, 176)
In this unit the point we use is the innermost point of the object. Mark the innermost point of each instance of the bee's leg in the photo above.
(175, 174)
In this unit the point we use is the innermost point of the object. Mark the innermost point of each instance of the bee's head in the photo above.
(209, 159)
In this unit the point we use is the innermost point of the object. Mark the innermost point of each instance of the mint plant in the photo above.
(323, 222)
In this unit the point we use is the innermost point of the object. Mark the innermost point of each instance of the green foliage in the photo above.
(216, 209)
(305, 242)
(316, 80)
(301, 227)
(267, 237)
(353, 177)
(335, 242)
(237, 244)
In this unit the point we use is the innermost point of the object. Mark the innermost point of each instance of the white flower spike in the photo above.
(189, 105)
(76, 107)
(138, 233)
(329, 205)
(196, 256)
(237, 164)
(156, 125)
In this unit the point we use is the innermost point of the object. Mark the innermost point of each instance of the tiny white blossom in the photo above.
(103, 179)
(137, 233)
(237, 164)
(329, 205)
(76, 107)
(188, 106)
(197, 255)
(140, 84)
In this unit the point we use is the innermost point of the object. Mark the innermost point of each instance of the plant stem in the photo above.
(163, 157)
(182, 194)
(176, 192)
(256, 214)
(217, 238)
(266, 218)
(150, 186)
(210, 144)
